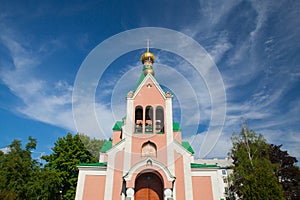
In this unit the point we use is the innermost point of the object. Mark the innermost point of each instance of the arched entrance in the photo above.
(148, 186)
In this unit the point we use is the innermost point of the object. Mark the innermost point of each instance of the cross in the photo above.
(148, 45)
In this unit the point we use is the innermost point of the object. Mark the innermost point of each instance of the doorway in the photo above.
(148, 186)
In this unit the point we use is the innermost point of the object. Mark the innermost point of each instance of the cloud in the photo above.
(5, 150)
(257, 66)
(42, 101)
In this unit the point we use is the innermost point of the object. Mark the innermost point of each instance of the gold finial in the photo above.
(148, 56)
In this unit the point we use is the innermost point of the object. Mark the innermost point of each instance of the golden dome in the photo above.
(148, 56)
(149, 70)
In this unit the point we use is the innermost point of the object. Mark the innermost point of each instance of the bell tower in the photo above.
(146, 158)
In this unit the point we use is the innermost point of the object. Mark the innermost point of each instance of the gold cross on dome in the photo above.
(148, 45)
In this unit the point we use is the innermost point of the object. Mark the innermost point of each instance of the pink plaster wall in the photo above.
(94, 187)
(139, 139)
(118, 173)
(202, 188)
(116, 137)
(177, 136)
(179, 173)
(149, 96)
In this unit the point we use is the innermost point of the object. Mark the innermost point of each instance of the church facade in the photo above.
(146, 158)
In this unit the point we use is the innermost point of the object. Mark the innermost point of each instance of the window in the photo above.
(149, 149)
(224, 172)
(149, 119)
(139, 119)
(159, 119)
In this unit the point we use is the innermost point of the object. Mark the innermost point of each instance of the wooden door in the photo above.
(148, 186)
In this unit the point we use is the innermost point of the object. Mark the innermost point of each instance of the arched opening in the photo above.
(148, 185)
(159, 120)
(149, 149)
(149, 119)
(138, 119)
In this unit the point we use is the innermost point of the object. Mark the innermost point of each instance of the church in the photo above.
(147, 158)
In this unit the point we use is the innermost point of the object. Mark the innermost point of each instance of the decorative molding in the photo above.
(146, 162)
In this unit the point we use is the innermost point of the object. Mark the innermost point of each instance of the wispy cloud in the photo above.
(254, 70)
(42, 101)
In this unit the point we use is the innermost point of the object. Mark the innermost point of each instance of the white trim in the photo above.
(169, 135)
(83, 172)
(143, 163)
(80, 186)
(127, 134)
(186, 170)
(111, 154)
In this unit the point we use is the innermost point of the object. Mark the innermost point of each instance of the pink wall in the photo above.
(116, 137)
(202, 188)
(94, 187)
(118, 173)
(149, 96)
(179, 173)
(145, 97)
(177, 136)
(139, 139)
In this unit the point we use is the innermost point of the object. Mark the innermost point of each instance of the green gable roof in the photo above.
(187, 146)
(196, 165)
(103, 164)
(106, 146)
(176, 126)
(118, 126)
(142, 76)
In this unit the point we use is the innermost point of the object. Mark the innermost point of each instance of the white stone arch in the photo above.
(149, 163)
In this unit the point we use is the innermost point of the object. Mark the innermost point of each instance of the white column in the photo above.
(169, 135)
(130, 194)
(168, 194)
(127, 134)
(80, 185)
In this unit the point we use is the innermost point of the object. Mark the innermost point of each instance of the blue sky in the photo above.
(255, 46)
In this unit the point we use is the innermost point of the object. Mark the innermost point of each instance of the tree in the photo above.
(22, 177)
(15, 169)
(68, 152)
(93, 145)
(253, 176)
(287, 173)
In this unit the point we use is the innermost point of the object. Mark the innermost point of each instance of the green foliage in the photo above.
(68, 152)
(253, 176)
(21, 176)
(93, 145)
(287, 173)
(15, 170)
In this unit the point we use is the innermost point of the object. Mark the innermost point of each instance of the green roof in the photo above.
(103, 164)
(176, 126)
(106, 146)
(118, 126)
(196, 165)
(142, 76)
(187, 146)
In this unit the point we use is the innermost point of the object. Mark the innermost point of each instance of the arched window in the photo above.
(138, 119)
(149, 149)
(159, 119)
(149, 119)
